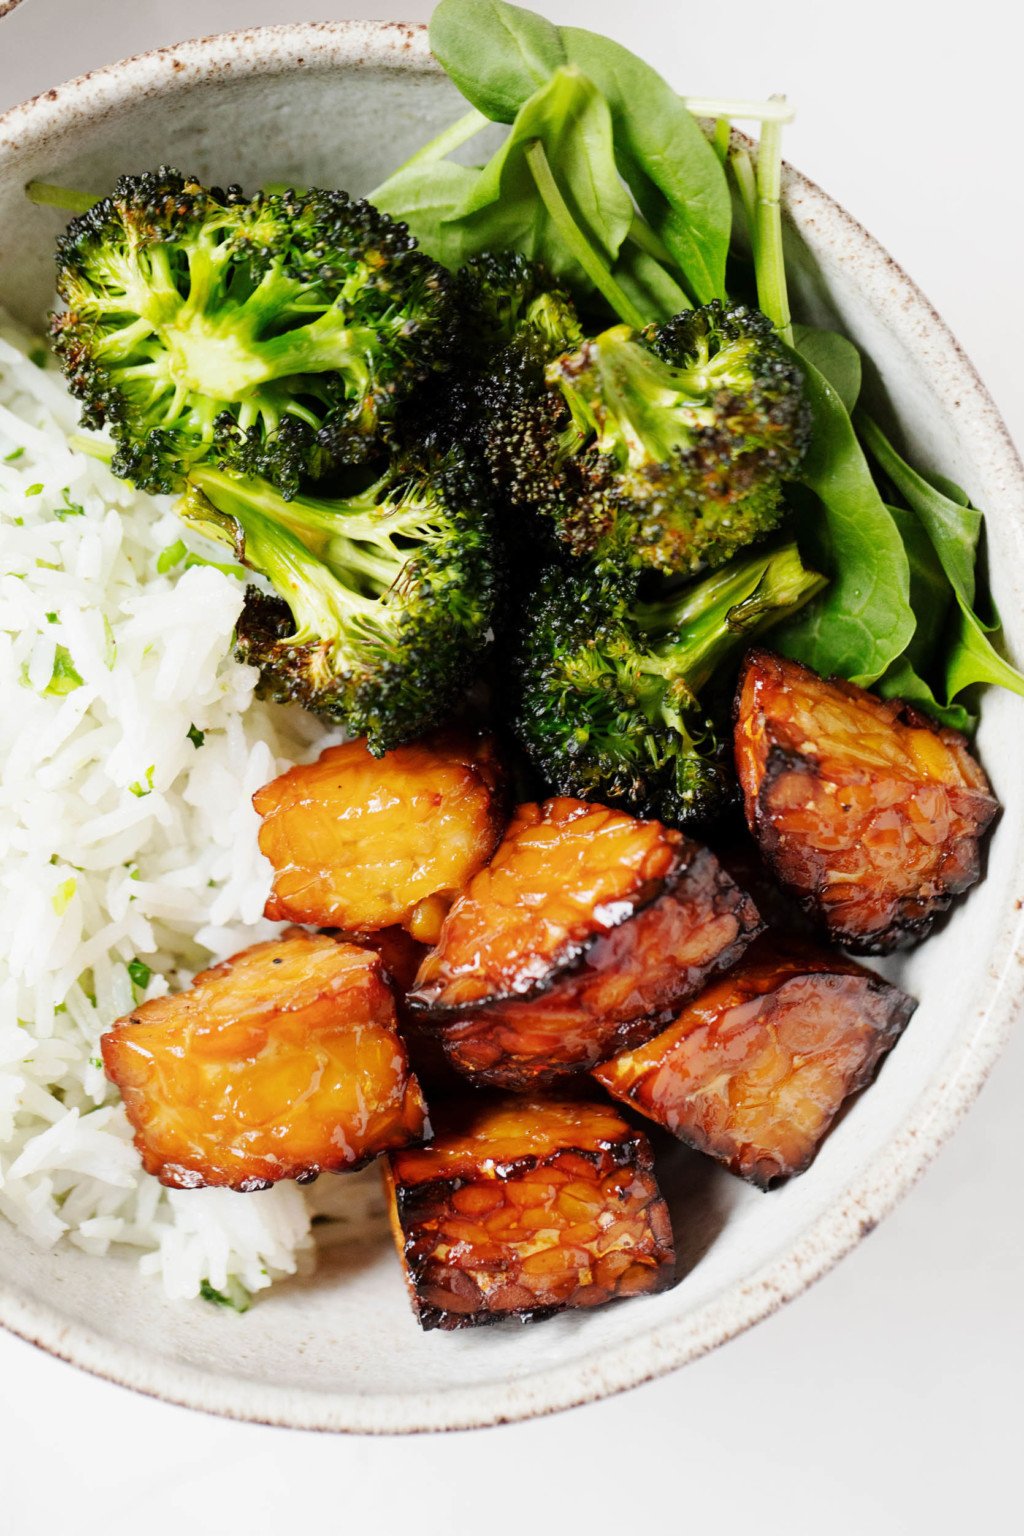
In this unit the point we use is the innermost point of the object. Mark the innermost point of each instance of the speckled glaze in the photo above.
(340, 1350)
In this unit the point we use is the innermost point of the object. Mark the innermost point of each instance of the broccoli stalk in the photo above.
(638, 408)
(383, 600)
(668, 448)
(609, 687)
(276, 334)
(322, 607)
(690, 636)
(214, 344)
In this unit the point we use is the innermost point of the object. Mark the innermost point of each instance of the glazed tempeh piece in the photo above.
(281, 1063)
(581, 938)
(740, 857)
(521, 1207)
(361, 843)
(756, 1068)
(401, 956)
(867, 811)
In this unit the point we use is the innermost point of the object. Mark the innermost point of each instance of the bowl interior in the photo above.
(340, 1349)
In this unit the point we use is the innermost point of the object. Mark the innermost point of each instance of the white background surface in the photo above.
(889, 1398)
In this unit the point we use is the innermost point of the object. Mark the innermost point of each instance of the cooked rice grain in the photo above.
(122, 839)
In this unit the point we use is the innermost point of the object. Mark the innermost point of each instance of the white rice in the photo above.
(120, 839)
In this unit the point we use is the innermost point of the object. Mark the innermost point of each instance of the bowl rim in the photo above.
(941, 1104)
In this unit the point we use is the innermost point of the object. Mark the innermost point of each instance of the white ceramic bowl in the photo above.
(341, 1351)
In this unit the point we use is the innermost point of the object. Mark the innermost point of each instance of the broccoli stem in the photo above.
(45, 195)
(315, 348)
(636, 405)
(93, 447)
(770, 262)
(225, 360)
(320, 604)
(354, 538)
(579, 246)
(219, 347)
(554, 318)
(268, 407)
(694, 634)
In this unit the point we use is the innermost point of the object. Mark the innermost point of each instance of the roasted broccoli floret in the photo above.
(384, 600)
(275, 334)
(608, 687)
(674, 443)
(501, 295)
(522, 428)
(503, 302)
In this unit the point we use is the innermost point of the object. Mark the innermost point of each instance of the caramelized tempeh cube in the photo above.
(740, 857)
(402, 957)
(755, 1069)
(521, 1207)
(281, 1063)
(865, 809)
(360, 843)
(581, 937)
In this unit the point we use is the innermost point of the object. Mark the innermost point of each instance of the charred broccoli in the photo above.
(384, 599)
(504, 295)
(505, 304)
(608, 686)
(274, 335)
(672, 444)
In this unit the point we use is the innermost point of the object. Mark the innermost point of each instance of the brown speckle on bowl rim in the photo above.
(664, 1346)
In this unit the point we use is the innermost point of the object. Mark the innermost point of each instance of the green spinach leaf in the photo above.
(499, 55)
(569, 117)
(863, 620)
(947, 487)
(954, 530)
(835, 357)
(974, 659)
(496, 54)
(651, 288)
(931, 598)
(902, 681)
(673, 172)
(428, 198)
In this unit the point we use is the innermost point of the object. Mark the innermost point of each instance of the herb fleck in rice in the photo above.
(130, 743)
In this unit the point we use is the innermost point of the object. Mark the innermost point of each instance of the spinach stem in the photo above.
(720, 141)
(576, 240)
(642, 235)
(45, 195)
(447, 140)
(770, 263)
(776, 110)
(743, 172)
(653, 246)
(646, 240)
